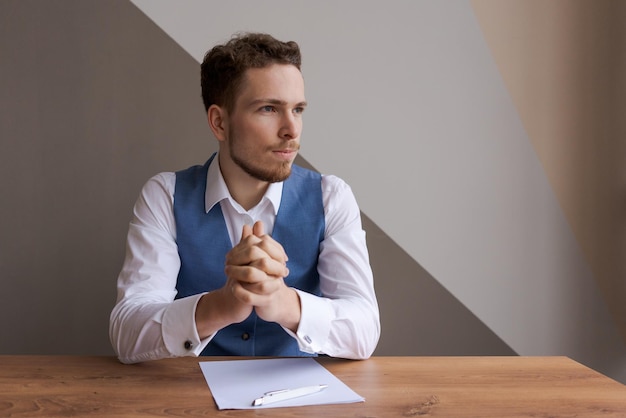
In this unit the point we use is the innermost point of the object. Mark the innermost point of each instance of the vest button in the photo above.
(188, 345)
(245, 336)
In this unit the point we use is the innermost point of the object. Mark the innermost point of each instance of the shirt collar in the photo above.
(216, 189)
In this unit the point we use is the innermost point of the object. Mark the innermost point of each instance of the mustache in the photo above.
(290, 146)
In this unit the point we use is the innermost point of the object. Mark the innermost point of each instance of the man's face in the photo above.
(263, 129)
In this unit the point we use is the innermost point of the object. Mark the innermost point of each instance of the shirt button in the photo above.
(245, 336)
(188, 345)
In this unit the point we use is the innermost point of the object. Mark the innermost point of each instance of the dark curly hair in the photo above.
(223, 67)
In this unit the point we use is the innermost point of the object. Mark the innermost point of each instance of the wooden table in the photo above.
(64, 386)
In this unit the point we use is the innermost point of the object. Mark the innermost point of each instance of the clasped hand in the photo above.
(255, 270)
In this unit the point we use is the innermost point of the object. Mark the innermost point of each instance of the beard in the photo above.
(245, 159)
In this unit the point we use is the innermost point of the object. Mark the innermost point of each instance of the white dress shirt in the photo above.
(147, 323)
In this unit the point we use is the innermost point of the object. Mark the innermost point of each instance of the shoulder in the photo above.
(153, 208)
(336, 193)
(332, 183)
(340, 206)
(160, 184)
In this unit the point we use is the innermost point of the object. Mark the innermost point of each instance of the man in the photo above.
(247, 254)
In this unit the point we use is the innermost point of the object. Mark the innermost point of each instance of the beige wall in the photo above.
(564, 64)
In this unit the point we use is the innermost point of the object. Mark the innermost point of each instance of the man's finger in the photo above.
(246, 231)
(273, 248)
(258, 229)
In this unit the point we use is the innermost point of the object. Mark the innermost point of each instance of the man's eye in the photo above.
(298, 110)
(267, 108)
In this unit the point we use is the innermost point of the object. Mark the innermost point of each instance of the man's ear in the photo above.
(217, 122)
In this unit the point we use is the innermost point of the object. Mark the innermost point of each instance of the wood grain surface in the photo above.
(77, 386)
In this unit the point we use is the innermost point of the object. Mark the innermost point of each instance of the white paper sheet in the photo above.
(235, 384)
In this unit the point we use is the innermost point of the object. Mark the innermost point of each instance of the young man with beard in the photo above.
(247, 254)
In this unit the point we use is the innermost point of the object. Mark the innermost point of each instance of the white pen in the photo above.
(285, 394)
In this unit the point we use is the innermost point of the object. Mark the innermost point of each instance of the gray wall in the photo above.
(471, 251)
(92, 103)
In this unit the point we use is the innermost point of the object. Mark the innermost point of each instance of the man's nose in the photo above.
(290, 126)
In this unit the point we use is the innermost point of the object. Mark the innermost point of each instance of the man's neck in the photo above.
(245, 189)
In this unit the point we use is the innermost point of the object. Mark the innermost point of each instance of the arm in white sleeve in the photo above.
(345, 321)
(146, 322)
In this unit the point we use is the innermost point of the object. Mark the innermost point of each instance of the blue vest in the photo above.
(203, 242)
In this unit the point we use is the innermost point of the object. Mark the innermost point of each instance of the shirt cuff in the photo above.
(315, 320)
(178, 328)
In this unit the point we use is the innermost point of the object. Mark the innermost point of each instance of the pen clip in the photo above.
(275, 392)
